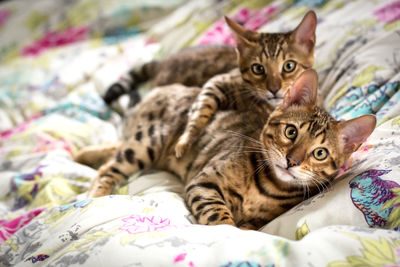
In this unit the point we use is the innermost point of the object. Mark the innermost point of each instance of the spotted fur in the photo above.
(268, 64)
(190, 67)
(242, 170)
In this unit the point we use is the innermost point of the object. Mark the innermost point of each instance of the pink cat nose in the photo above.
(274, 88)
(292, 161)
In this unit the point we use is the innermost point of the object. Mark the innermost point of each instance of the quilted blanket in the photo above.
(57, 59)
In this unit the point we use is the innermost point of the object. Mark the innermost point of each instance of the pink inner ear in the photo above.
(353, 132)
(303, 91)
(305, 32)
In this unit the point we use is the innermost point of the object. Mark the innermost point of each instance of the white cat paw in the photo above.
(181, 146)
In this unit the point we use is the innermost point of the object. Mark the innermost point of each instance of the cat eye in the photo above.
(291, 132)
(289, 66)
(320, 153)
(257, 69)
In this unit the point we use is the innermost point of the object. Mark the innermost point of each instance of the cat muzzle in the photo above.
(275, 101)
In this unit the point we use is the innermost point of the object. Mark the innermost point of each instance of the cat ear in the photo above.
(244, 37)
(304, 34)
(304, 90)
(353, 132)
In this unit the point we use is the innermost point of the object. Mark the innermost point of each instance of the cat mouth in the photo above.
(275, 101)
(284, 174)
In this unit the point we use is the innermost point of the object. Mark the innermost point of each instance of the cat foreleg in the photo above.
(207, 203)
(211, 98)
(106, 180)
(130, 158)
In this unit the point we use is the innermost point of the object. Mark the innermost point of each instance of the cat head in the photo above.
(303, 144)
(271, 62)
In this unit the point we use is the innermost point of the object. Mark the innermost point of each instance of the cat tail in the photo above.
(129, 83)
(96, 155)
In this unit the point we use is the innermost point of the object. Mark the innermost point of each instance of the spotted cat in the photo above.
(268, 63)
(264, 64)
(246, 167)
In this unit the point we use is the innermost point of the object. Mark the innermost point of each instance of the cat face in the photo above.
(303, 144)
(271, 62)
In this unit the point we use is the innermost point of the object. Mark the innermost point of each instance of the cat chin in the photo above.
(284, 175)
(275, 101)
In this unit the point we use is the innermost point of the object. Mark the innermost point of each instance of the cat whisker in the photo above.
(244, 152)
(255, 151)
(314, 182)
(266, 161)
(306, 189)
(251, 150)
(249, 147)
(259, 168)
(324, 183)
(245, 137)
(264, 164)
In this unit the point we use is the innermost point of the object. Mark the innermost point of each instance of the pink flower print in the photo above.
(180, 257)
(8, 228)
(46, 142)
(135, 224)
(18, 129)
(389, 12)
(4, 14)
(220, 33)
(243, 15)
(362, 151)
(55, 39)
(259, 18)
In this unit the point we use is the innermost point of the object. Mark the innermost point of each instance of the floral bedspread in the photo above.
(58, 57)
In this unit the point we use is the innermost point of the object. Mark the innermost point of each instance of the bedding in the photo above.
(57, 59)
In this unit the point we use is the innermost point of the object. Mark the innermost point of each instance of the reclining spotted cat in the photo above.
(246, 167)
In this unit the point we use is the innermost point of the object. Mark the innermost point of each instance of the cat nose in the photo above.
(274, 88)
(292, 161)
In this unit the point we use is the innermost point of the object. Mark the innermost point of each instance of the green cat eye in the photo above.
(289, 66)
(291, 132)
(320, 153)
(257, 69)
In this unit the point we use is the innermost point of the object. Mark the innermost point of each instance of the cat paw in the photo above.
(98, 191)
(247, 227)
(181, 146)
(93, 194)
(180, 149)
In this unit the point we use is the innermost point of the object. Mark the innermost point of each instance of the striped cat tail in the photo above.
(129, 83)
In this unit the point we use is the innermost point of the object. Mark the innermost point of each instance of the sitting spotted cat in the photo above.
(247, 167)
(266, 65)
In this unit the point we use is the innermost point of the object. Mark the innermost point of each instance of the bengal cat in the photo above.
(266, 64)
(247, 167)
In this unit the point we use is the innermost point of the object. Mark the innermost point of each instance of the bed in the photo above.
(58, 58)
